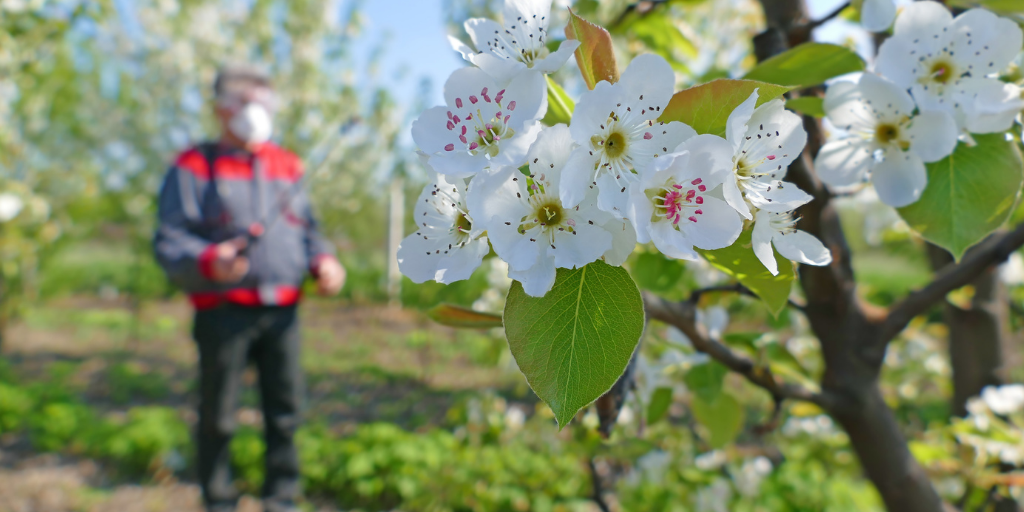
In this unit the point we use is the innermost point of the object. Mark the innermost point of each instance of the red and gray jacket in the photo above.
(213, 193)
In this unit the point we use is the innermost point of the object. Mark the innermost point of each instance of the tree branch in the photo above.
(683, 316)
(994, 250)
(828, 17)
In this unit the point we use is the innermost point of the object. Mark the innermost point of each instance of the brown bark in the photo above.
(977, 333)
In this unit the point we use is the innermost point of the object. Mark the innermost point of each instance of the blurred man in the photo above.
(244, 279)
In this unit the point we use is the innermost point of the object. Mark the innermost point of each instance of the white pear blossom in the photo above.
(878, 117)
(505, 51)
(447, 246)
(529, 226)
(484, 124)
(1004, 400)
(778, 229)
(751, 475)
(761, 143)
(672, 206)
(617, 129)
(877, 15)
(949, 64)
(10, 206)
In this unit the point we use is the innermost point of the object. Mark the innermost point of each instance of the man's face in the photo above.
(235, 96)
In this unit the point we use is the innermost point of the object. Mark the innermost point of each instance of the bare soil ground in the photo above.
(361, 366)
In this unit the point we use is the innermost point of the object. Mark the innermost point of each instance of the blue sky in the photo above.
(413, 33)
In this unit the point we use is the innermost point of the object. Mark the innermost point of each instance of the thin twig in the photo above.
(995, 249)
(828, 17)
(598, 496)
(683, 316)
(695, 295)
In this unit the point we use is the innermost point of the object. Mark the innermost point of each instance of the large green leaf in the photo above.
(970, 193)
(655, 272)
(707, 107)
(738, 260)
(575, 342)
(807, 64)
(595, 56)
(560, 105)
(999, 6)
(722, 418)
(705, 380)
(459, 316)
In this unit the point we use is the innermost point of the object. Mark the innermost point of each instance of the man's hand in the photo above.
(228, 265)
(330, 276)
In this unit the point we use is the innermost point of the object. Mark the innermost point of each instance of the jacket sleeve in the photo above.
(184, 255)
(317, 247)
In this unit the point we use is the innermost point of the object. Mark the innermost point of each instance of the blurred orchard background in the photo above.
(97, 368)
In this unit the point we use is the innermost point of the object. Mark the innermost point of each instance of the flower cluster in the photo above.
(564, 196)
(935, 81)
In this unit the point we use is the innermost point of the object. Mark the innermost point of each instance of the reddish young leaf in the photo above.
(595, 56)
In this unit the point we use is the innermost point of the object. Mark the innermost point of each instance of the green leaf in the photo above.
(575, 342)
(705, 380)
(661, 399)
(654, 272)
(560, 105)
(999, 6)
(722, 418)
(810, 105)
(969, 194)
(459, 316)
(738, 260)
(706, 107)
(807, 64)
(595, 56)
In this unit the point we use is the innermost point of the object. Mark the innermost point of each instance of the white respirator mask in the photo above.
(252, 124)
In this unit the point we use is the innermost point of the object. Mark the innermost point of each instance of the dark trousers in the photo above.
(229, 337)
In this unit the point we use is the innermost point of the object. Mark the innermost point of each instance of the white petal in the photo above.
(549, 154)
(670, 242)
(513, 151)
(530, 92)
(458, 164)
(457, 45)
(648, 76)
(783, 135)
(991, 106)
(481, 30)
(933, 135)
(554, 61)
(463, 83)
(538, 279)
(670, 135)
(461, 262)
(890, 101)
(718, 226)
(779, 198)
(492, 197)
(577, 176)
(501, 69)
(934, 99)
(430, 133)
(613, 194)
(640, 210)
(713, 156)
(900, 178)
(588, 244)
(845, 162)
(845, 107)
(922, 19)
(984, 42)
(761, 239)
(732, 194)
(536, 12)
(592, 111)
(877, 15)
(623, 241)
(802, 247)
(895, 59)
(736, 125)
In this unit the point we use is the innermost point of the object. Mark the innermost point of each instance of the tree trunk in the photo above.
(852, 341)
(977, 334)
